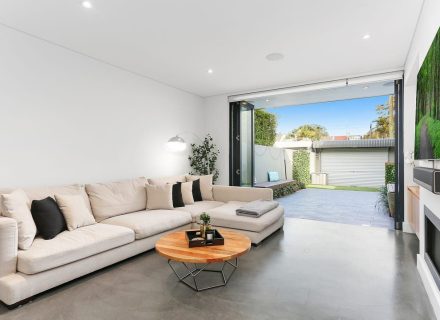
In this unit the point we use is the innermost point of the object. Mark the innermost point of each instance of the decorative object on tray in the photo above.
(213, 238)
(205, 225)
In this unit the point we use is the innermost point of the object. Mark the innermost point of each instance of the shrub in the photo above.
(390, 172)
(382, 199)
(265, 128)
(301, 167)
(292, 187)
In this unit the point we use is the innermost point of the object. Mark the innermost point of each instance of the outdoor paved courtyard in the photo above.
(341, 206)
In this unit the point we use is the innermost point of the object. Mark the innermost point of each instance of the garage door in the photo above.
(354, 167)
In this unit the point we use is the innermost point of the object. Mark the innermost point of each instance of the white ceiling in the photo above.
(177, 41)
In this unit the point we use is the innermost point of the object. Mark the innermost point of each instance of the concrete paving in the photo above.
(312, 270)
(349, 207)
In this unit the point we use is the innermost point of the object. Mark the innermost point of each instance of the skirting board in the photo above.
(430, 285)
(406, 227)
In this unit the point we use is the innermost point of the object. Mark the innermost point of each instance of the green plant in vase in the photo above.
(205, 220)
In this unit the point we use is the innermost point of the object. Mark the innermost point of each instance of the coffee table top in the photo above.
(174, 246)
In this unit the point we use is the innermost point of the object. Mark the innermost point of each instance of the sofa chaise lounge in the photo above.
(124, 229)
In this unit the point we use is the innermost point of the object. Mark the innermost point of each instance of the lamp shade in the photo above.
(176, 144)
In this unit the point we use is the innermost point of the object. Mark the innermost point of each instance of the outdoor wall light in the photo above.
(176, 144)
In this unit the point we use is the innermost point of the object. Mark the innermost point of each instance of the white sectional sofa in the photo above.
(124, 229)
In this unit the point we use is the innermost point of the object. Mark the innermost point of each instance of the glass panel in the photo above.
(246, 145)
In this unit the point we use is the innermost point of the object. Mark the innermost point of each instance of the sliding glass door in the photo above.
(241, 172)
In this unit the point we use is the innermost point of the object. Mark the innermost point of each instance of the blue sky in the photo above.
(345, 117)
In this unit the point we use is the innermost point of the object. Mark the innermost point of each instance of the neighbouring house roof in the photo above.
(364, 143)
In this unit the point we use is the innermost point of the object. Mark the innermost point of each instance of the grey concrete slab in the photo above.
(341, 206)
(311, 270)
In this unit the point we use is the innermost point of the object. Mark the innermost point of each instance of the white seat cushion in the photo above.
(225, 216)
(151, 222)
(70, 246)
(199, 207)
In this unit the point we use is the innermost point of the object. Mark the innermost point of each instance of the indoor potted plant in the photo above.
(205, 221)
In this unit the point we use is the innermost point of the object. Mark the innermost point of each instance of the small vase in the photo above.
(203, 228)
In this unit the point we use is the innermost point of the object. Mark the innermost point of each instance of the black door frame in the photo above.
(234, 142)
(399, 158)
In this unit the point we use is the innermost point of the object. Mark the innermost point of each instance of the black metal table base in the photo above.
(190, 278)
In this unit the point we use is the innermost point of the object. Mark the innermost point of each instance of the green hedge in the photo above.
(301, 166)
(390, 173)
(265, 128)
(292, 187)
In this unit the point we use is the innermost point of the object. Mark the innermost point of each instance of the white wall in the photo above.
(66, 118)
(429, 23)
(217, 124)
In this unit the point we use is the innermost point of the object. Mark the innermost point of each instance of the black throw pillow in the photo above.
(197, 194)
(48, 218)
(177, 195)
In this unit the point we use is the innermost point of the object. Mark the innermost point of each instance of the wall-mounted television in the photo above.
(427, 139)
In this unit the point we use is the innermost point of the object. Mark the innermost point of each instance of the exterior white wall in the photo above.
(272, 159)
(354, 166)
(66, 118)
(428, 25)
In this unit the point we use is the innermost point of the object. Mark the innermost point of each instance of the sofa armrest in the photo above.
(245, 194)
(8, 246)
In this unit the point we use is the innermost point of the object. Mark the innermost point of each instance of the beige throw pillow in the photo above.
(187, 193)
(16, 205)
(165, 180)
(205, 185)
(159, 196)
(74, 210)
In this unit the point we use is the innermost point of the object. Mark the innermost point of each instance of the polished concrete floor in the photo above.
(311, 270)
(341, 206)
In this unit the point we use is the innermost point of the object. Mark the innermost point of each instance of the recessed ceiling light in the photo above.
(366, 36)
(275, 56)
(210, 71)
(366, 87)
(267, 100)
(87, 4)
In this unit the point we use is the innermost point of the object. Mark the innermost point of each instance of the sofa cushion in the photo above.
(74, 210)
(159, 196)
(225, 216)
(48, 218)
(187, 194)
(199, 207)
(205, 185)
(39, 193)
(16, 206)
(151, 222)
(115, 198)
(70, 246)
(165, 180)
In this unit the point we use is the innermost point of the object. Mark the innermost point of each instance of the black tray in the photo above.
(218, 239)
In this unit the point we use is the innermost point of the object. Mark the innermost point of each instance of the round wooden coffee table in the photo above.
(174, 246)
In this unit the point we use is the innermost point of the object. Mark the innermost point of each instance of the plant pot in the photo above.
(392, 203)
(203, 228)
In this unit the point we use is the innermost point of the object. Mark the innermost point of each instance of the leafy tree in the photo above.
(265, 128)
(203, 158)
(308, 131)
(384, 124)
